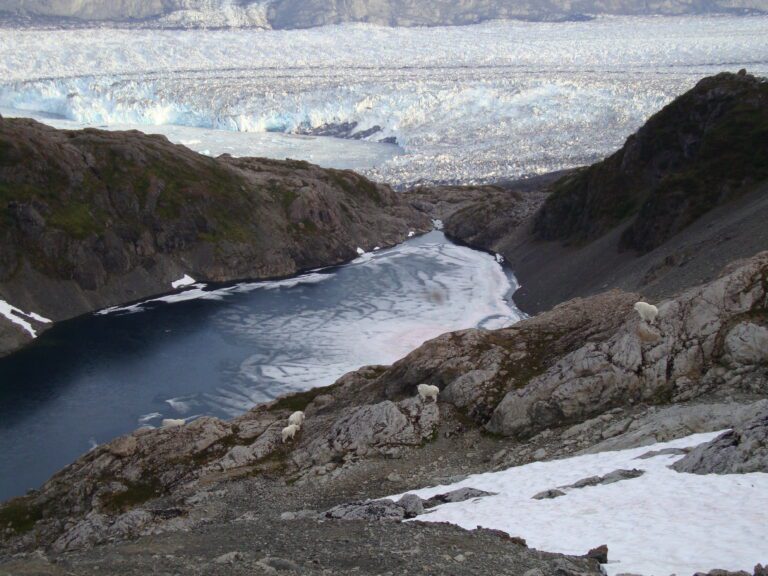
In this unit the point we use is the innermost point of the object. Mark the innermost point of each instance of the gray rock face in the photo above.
(739, 451)
(664, 423)
(688, 360)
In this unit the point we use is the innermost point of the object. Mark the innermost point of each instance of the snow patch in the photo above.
(187, 280)
(21, 318)
(360, 251)
(663, 522)
(437, 224)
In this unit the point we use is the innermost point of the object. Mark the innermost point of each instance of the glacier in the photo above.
(465, 105)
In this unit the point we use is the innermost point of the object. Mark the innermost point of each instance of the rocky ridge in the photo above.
(704, 149)
(94, 219)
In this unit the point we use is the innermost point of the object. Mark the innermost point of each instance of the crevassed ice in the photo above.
(468, 104)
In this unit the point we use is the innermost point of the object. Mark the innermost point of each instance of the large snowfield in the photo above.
(468, 104)
(662, 523)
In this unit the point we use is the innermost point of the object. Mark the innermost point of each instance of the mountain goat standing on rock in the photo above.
(297, 418)
(289, 432)
(648, 312)
(426, 391)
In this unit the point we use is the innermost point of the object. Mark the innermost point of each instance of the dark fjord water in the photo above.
(220, 350)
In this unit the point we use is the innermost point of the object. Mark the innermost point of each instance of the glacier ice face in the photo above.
(467, 104)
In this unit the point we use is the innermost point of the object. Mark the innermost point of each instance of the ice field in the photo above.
(466, 104)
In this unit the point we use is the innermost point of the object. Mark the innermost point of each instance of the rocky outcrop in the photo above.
(95, 219)
(610, 478)
(681, 357)
(739, 451)
(409, 506)
(310, 13)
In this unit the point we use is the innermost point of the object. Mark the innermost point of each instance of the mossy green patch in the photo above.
(136, 494)
(76, 219)
(20, 515)
(355, 185)
(300, 400)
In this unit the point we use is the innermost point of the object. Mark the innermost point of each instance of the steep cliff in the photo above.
(91, 219)
(706, 148)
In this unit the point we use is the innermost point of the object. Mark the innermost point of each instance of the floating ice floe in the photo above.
(662, 522)
(21, 318)
(187, 280)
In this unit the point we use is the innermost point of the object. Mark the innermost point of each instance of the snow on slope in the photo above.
(21, 318)
(661, 523)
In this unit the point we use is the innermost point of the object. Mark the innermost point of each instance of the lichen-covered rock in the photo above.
(384, 425)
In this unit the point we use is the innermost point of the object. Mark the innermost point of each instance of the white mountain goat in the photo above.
(648, 312)
(297, 418)
(171, 423)
(426, 391)
(289, 432)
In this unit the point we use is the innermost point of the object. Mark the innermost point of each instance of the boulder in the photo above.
(459, 495)
(377, 510)
(739, 451)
